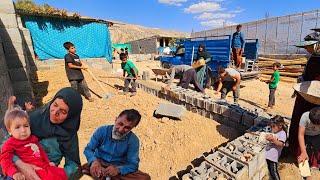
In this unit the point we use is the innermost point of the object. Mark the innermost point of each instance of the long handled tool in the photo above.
(106, 95)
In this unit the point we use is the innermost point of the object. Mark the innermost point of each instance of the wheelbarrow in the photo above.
(160, 72)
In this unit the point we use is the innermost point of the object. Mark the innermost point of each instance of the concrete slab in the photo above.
(8, 20)
(6, 6)
(170, 110)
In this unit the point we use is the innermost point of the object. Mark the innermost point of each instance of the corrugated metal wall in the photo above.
(276, 35)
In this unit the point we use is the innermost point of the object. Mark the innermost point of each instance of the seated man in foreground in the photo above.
(113, 150)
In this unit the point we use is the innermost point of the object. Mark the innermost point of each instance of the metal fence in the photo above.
(276, 35)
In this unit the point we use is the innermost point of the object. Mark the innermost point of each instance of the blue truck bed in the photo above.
(218, 46)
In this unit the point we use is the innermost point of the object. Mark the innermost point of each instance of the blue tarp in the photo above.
(91, 39)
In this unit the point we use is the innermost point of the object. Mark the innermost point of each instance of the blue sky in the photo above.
(184, 15)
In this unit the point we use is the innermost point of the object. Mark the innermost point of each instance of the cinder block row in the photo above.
(229, 165)
(206, 171)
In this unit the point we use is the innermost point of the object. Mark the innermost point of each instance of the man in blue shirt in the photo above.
(237, 45)
(113, 150)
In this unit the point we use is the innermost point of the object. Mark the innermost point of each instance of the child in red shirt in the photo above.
(27, 148)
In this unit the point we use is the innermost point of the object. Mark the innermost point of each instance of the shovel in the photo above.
(106, 95)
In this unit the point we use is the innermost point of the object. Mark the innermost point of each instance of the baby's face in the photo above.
(20, 128)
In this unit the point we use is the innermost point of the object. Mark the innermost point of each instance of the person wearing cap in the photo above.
(311, 73)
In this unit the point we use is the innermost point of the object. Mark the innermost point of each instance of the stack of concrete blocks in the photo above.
(229, 165)
(15, 51)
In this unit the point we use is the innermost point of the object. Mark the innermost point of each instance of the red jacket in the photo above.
(29, 151)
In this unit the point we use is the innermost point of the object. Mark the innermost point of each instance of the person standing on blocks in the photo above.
(237, 46)
(113, 150)
(73, 67)
(229, 80)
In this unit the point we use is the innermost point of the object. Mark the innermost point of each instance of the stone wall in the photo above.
(16, 59)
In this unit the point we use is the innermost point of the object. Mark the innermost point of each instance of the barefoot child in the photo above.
(275, 145)
(27, 148)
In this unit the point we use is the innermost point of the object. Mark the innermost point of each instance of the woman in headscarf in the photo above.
(311, 72)
(56, 125)
(203, 70)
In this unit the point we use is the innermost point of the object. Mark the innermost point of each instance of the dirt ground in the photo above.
(166, 146)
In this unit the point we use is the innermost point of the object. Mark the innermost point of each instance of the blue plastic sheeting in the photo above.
(91, 39)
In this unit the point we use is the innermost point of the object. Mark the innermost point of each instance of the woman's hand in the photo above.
(18, 176)
(29, 171)
(303, 156)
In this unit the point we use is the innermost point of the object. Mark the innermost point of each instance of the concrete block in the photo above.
(248, 119)
(189, 99)
(170, 110)
(6, 6)
(21, 87)
(14, 48)
(200, 102)
(9, 35)
(236, 115)
(18, 74)
(146, 75)
(229, 165)
(8, 20)
(239, 154)
(206, 171)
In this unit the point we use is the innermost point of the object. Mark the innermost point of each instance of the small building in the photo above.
(150, 45)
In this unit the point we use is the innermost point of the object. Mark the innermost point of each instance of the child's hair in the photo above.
(277, 64)
(68, 45)
(314, 115)
(122, 56)
(239, 26)
(132, 115)
(13, 113)
(279, 121)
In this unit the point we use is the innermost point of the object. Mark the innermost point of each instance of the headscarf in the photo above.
(42, 127)
(203, 54)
